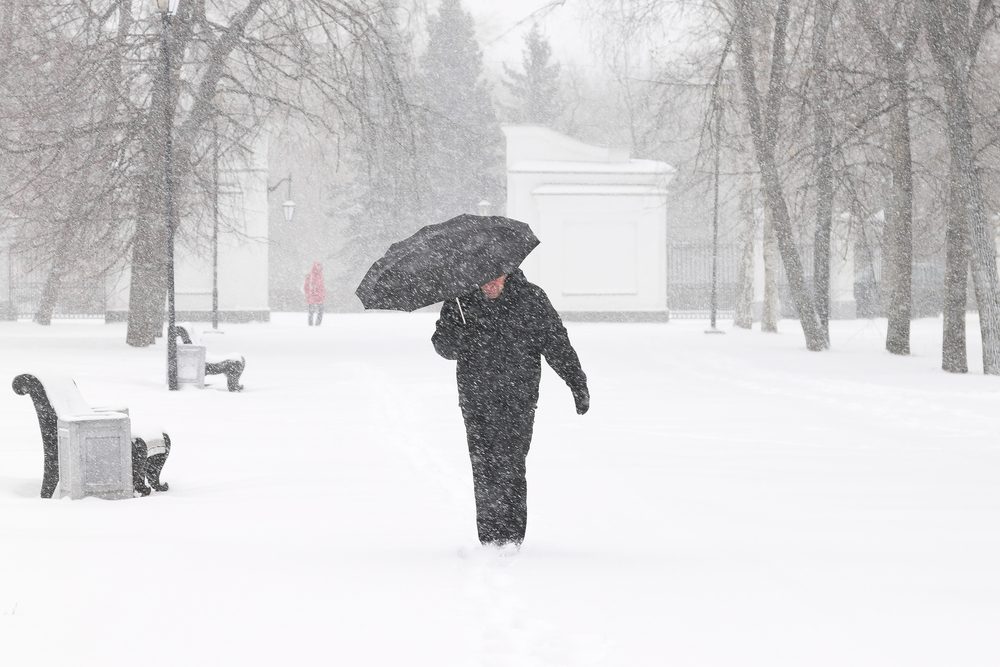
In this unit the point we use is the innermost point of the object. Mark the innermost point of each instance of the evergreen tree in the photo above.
(462, 143)
(536, 91)
(378, 192)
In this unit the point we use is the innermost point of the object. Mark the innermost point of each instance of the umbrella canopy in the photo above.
(444, 261)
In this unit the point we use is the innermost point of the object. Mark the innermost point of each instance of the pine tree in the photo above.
(536, 91)
(378, 193)
(462, 142)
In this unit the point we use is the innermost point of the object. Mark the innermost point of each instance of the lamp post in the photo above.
(215, 222)
(287, 206)
(715, 218)
(717, 102)
(167, 9)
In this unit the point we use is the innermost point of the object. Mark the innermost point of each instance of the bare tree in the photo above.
(955, 33)
(764, 118)
(242, 64)
(894, 47)
(771, 308)
(261, 58)
(822, 19)
(743, 317)
(60, 160)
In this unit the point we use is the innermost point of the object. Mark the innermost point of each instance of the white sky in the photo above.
(502, 40)
(502, 24)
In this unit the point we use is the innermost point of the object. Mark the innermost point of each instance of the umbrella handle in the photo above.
(460, 312)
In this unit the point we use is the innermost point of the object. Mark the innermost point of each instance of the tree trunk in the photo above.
(980, 233)
(148, 289)
(148, 286)
(764, 126)
(50, 295)
(743, 318)
(895, 49)
(53, 282)
(824, 165)
(899, 217)
(954, 43)
(954, 357)
(149, 245)
(771, 312)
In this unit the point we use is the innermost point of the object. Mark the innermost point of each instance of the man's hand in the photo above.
(582, 398)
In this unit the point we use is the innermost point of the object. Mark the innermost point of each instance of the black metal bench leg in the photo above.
(50, 471)
(154, 465)
(48, 425)
(231, 368)
(147, 468)
(233, 374)
(139, 464)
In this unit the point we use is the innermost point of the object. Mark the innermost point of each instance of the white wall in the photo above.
(6, 306)
(243, 250)
(601, 218)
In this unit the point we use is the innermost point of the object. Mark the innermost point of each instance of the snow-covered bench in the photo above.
(230, 365)
(96, 451)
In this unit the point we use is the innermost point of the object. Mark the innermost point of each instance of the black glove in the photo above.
(582, 398)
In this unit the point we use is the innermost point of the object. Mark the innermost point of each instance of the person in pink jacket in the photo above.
(315, 292)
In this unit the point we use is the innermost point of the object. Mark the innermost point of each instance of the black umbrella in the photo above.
(444, 261)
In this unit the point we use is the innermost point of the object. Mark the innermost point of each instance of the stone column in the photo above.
(7, 310)
(758, 264)
(843, 305)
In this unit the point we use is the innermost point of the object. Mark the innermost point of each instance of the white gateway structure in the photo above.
(243, 253)
(601, 218)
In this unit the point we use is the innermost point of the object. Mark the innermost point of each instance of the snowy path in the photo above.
(730, 500)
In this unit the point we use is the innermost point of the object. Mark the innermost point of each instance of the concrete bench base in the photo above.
(149, 455)
(148, 451)
(232, 368)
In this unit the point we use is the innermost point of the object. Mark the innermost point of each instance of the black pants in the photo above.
(318, 309)
(498, 448)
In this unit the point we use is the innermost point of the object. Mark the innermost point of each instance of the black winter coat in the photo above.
(500, 345)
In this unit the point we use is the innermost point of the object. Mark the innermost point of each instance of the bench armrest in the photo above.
(108, 408)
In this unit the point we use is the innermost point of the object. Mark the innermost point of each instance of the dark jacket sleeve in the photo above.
(448, 332)
(558, 351)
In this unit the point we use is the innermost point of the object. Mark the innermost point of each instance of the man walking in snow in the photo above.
(498, 335)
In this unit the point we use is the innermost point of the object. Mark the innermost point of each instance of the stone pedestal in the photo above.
(95, 456)
(191, 366)
(843, 305)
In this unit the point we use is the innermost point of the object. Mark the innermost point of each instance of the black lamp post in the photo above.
(288, 206)
(215, 223)
(717, 121)
(167, 9)
(715, 217)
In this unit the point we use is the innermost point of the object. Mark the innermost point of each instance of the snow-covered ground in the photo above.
(729, 500)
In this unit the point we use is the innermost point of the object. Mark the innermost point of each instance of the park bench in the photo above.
(94, 451)
(231, 365)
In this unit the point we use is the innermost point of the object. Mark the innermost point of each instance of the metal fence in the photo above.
(689, 282)
(80, 297)
(927, 289)
(689, 279)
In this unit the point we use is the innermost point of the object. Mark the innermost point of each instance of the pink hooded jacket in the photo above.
(314, 288)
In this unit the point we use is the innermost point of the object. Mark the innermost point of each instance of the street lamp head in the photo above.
(168, 7)
(289, 208)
